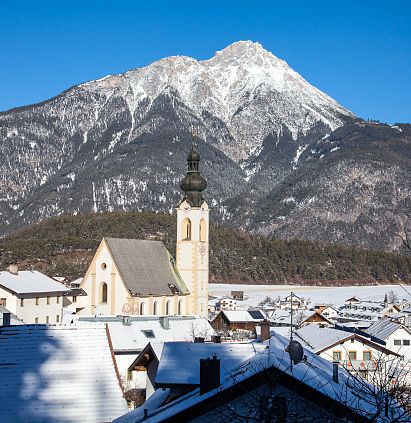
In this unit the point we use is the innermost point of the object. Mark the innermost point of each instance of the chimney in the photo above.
(335, 371)
(199, 340)
(6, 319)
(217, 339)
(13, 269)
(209, 374)
(265, 330)
(165, 322)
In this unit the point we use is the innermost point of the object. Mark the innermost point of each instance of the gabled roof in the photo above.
(244, 316)
(30, 282)
(132, 337)
(172, 372)
(384, 327)
(146, 267)
(58, 374)
(152, 351)
(319, 339)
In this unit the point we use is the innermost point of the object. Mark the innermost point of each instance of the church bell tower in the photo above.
(192, 236)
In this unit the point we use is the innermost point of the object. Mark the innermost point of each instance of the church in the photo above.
(140, 277)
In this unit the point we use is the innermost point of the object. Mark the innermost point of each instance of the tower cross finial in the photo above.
(193, 136)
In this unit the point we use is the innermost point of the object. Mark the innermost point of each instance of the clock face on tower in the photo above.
(202, 248)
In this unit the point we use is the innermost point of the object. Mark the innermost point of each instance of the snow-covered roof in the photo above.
(30, 282)
(172, 372)
(318, 338)
(383, 328)
(315, 372)
(140, 330)
(244, 315)
(58, 374)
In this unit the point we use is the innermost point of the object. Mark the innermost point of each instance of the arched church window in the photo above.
(180, 307)
(202, 230)
(168, 308)
(142, 309)
(155, 308)
(186, 230)
(103, 292)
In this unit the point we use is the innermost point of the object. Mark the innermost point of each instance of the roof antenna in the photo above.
(294, 348)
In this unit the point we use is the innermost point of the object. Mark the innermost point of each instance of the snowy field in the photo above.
(331, 295)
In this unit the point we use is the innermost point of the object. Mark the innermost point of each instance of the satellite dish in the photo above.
(296, 351)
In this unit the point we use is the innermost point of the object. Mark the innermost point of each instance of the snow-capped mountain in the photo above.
(244, 86)
(120, 142)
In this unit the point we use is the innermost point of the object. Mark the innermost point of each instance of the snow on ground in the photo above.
(317, 294)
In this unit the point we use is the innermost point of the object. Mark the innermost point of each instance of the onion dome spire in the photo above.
(193, 184)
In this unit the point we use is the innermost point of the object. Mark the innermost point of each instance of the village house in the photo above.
(234, 320)
(237, 295)
(284, 318)
(396, 336)
(226, 303)
(357, 353)
(297, 302)
(140, 277)
(356, 309)
(263, 387)
(326, 310)
(32, 296)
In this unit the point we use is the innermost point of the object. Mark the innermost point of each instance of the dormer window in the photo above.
(148, 333)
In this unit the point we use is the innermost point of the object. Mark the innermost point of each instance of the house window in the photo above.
(37, 300)
(155, 308)
(202, 230)
(74, 299)
(397, 341)
(406, 342)
(21, 302)
(48, 300)
(180, 307)
(103, 292)
(129, 375)
(58, 319)
(3, 302)
(186, 229)
(142, 309)
(103, 266)
(168, 307)
(337, 355)
(36, 320)
(58, 299)
(47, 320)
(352, 355)
(366, 355)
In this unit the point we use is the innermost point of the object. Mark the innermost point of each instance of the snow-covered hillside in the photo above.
(265, 134)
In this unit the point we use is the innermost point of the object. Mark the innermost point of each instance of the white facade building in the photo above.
(355, 352)
(32, 296)
(396, 336)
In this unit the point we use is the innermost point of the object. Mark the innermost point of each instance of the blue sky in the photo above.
(358, 52)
